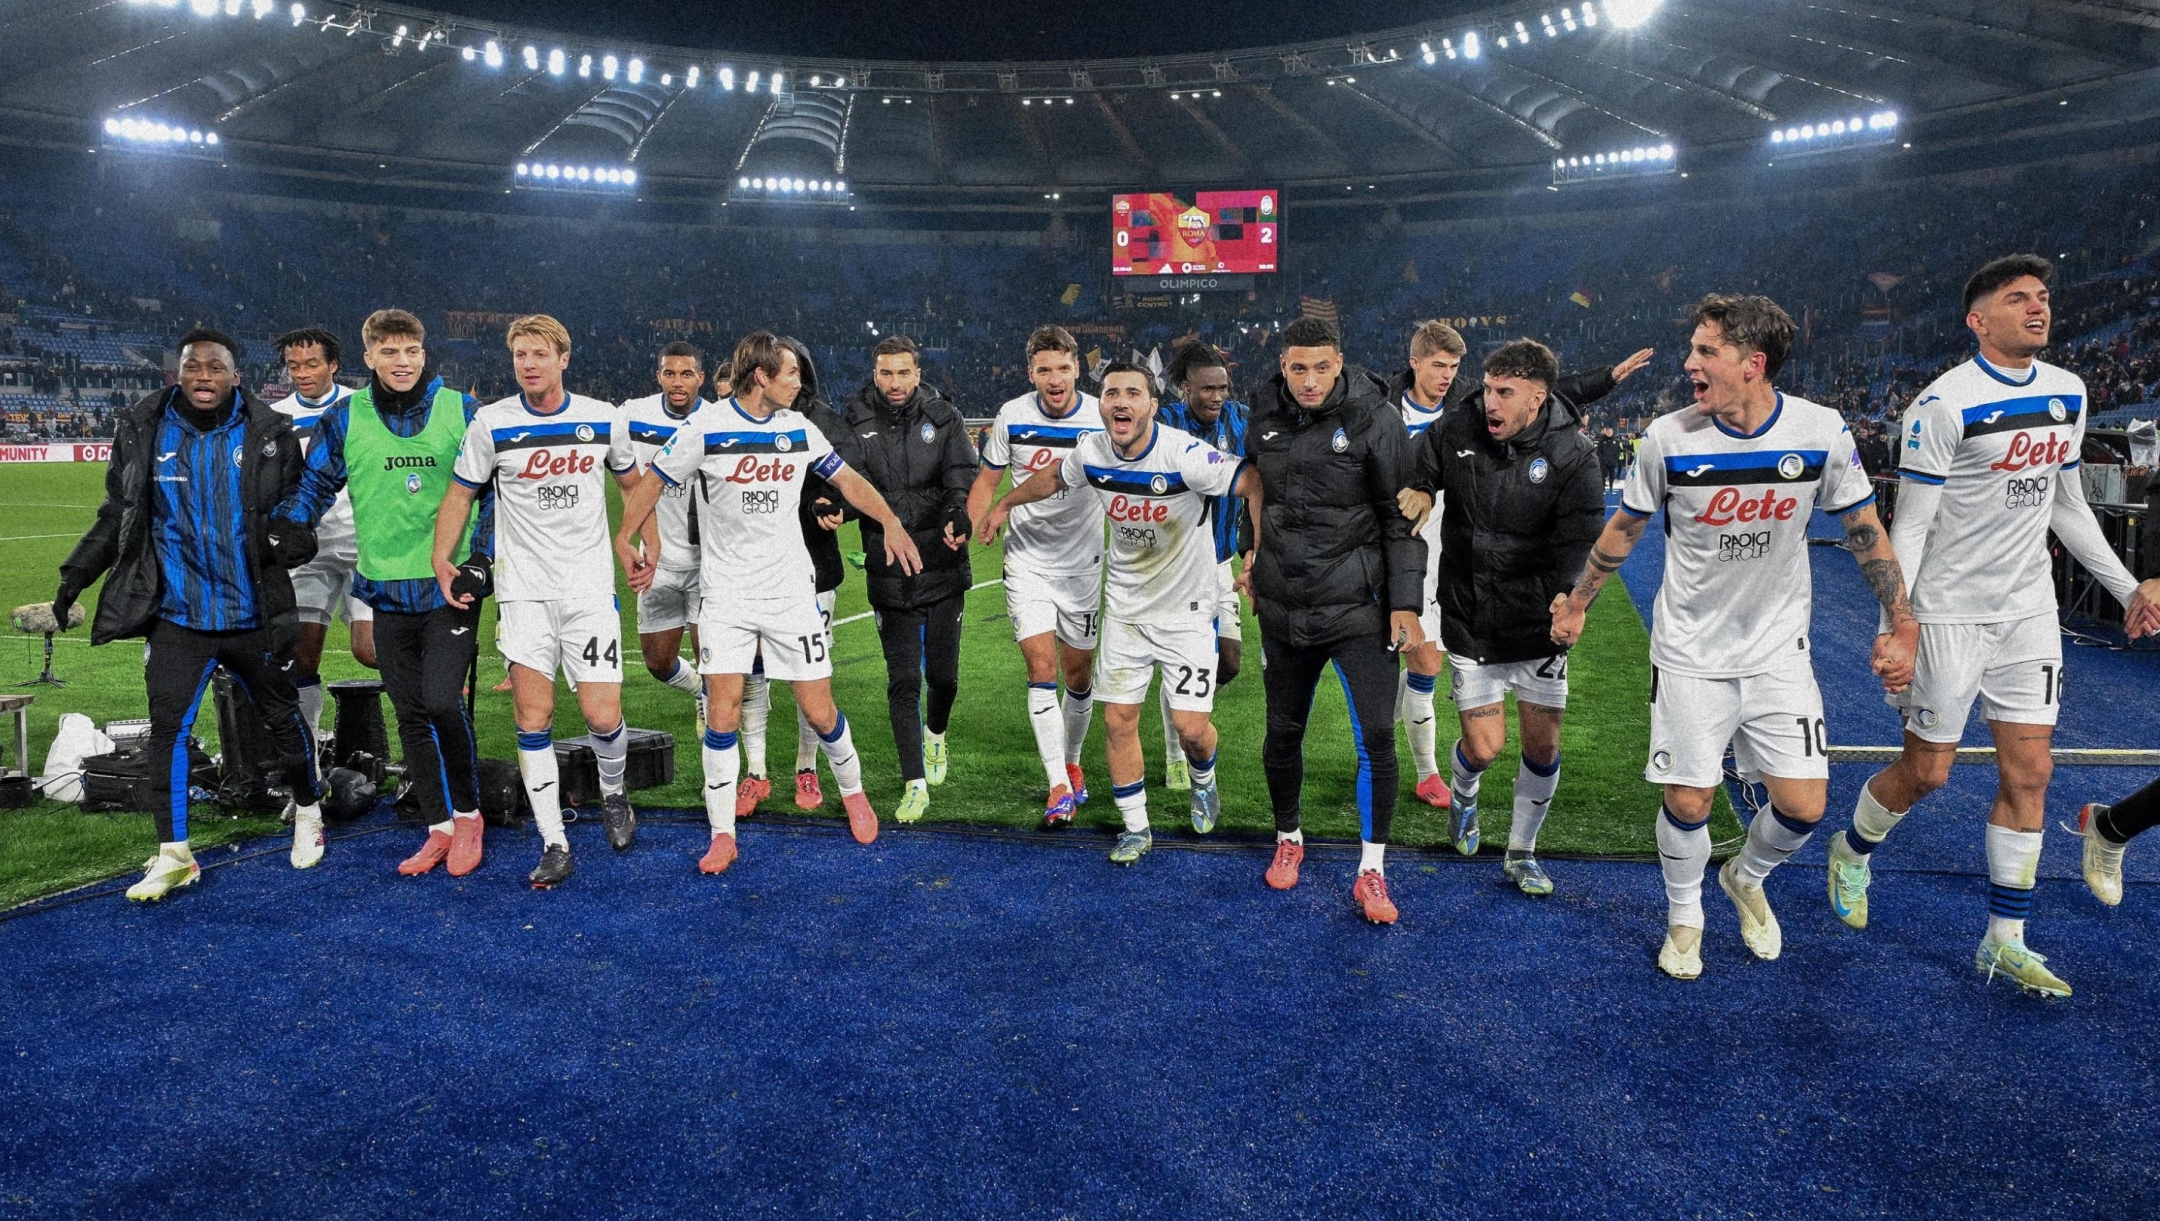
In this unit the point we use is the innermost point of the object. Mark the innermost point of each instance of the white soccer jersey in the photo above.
(334, 533)
(550, 473)
(1064, 533)
(1416, 420)
(651, 424)
(1162, 552)
(750, 475)
(1736, 589)
(1995, 442)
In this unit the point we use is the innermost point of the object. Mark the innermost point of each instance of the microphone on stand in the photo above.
(37, 619)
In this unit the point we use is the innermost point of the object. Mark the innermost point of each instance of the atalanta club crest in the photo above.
(1342, 441)
(2056, 410)
(780, 442)
(1790, 466)
(412, 483)
(1158, 485)
(269, 449)
(929, 434)
(238, 452)
(1661, 761)
(1537, 470)
(584, 432)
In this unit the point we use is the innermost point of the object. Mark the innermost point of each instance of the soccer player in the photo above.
(389, 447)
(2108, 829)
(1990, 466)
(1053, 559)
(1155, 483)
(548, 453)
(1520, 498)
(750, 454)
(666, 609)
(198, 569)
(1334, 578)
(323, 588)
(1436, 355)
(913, 445)
(1737, 478)
(1202, 374)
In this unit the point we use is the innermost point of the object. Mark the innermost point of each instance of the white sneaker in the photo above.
(1758, 924)
(307, 837)
(2103, 860)
(162, 875)
(1681, 956)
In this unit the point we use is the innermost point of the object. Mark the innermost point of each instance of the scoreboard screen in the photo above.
(1228, 232)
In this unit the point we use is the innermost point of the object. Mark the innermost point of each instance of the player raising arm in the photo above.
(749, 455)
(1737, 478)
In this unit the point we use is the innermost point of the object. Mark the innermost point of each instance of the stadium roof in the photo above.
(1502, 95)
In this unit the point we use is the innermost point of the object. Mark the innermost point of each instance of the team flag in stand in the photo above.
(1585, 297)
(1095, 363)
(1071, 295)
(1319, 307)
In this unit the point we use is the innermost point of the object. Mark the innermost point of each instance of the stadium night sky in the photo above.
(1005, 29)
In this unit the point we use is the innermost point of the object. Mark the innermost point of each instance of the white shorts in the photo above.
(1069, 604)
(1229, 615)
(1429, 605)
(582, 638)
(322, 588)
(672, 602)
(2015, 668)
(1132, 652)
(357, 611)
(1773, 721)
(1542, 682)
(793, 639)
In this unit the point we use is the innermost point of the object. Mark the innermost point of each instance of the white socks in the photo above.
(2013, 863)
(1132, 804)
(686, 679)
(1169, 728)
(1534, 789)
(806, 742)
(722, 759)
(1414, 704)
(1683, 854)
(1203, 770)
(1462, 778)
(1079, 711)
(178, 850)
(1290, 837)
(1772, 838)
(839, 748)
(1871, 822)
(1372, 857)
(310, 691)
(756, 712)
(1049, 730)
(536, 763)
(611, 752)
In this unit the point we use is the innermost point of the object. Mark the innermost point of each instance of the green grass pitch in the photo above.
(1603, 807)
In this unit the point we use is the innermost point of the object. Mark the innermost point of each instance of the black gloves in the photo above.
(475, 578)
(292, 545)
(70, 589)
(958, 520)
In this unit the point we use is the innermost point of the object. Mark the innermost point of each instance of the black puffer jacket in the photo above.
(1336, 555)
(1517, 525)
(118, 545)
(921, 460)
(824, 544)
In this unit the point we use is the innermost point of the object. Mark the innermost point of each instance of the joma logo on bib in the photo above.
(399, 462)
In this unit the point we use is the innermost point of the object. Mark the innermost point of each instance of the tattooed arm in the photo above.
(1622, 531)
(1870, 547)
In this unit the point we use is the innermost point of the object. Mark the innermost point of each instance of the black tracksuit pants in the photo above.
(424, 660)
(922, 648)
(1367, 671)
(176, 671)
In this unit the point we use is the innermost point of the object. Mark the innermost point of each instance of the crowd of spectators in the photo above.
(101, 280)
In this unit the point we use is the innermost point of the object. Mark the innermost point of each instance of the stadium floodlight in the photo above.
(554, 171)
(727, 79)
(667, 78)
(493, 54)
(523, 169)
(776, 77)
(690, 78)
(232, 8)
(1628, 14)
(261, 8)
(532, 59)
(750, 82)
(629, 178)
(799, 184)
(469, 54)
(398, 39)
(842, 188)
(210, 138)
(743, 183)
(1470, 45)
(584, 65)
(299, 13)
(1521, 34)
(1589, 15)
(636, 71)
(608, 65)
(203, 8)
(558, 63)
